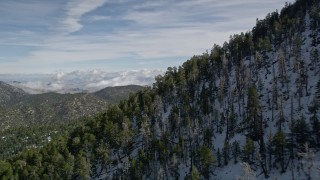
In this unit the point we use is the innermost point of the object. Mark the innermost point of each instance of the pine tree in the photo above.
(219, 157)
(134, 171)
(314, 57)
(314, 109)
(207, 161)
(279, 142)
(207, 137)
(82, 167)
(269, 150)
(226, 152)
(282, 68)
(292, 144)
(233, 122)
(235, 151)
(281, 119)
(254, 113)
(5, 170)
(195, 174)
(308, 155)
(302, 131)
(249, 150)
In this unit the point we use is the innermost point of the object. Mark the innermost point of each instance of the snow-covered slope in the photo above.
(246, 110)
(213, 98)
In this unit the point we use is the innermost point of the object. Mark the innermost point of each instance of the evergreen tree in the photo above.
(207, 137)
(314, 57)
(314, 109)
(5, 170)
(249, 150)
(235, 151)
(207, 161)
(134, 172)
(194, 174)
(302, 131)
(254, 113)
(226, 152)
(219, 157)
(279, 142)
(233, 123)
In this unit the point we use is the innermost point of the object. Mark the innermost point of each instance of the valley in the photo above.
(246, 109)
(30, 119)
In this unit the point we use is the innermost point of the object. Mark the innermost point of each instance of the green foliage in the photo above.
(136, 134)
(17, 139)
(194, 174)
(207, 158)
(134, 172)
(280, 139)
(302, 131)
(5, 170)
(253, 102)
(116, 94)
(279, 142)
(254, 113)
(208, 137)
(34, 120)
(72, 156)
(249, 149)
(233, 120)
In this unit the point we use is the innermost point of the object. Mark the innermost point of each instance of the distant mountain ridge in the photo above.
(249, 109)
(20, 108)
(113, 94)
(10, 94)
(32, 120)
(78, 81)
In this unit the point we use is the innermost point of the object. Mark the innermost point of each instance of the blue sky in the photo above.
(46, 36)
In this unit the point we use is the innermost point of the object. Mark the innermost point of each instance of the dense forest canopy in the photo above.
(253, 100)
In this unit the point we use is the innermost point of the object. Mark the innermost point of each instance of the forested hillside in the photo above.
(32, 120)
(115, 94)
(246, 109)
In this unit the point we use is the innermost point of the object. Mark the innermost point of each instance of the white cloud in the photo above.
(76, 9)
(148, 32)
(99, 18)
(80, 81)
(30, 12)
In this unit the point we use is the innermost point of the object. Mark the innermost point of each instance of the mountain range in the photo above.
(21, 111)
(248, 109)
(20, 108)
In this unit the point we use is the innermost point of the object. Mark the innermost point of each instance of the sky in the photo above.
(50, 36)
(70, 46)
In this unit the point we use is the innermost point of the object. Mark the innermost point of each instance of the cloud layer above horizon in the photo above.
(44, 36)
(79, 81)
